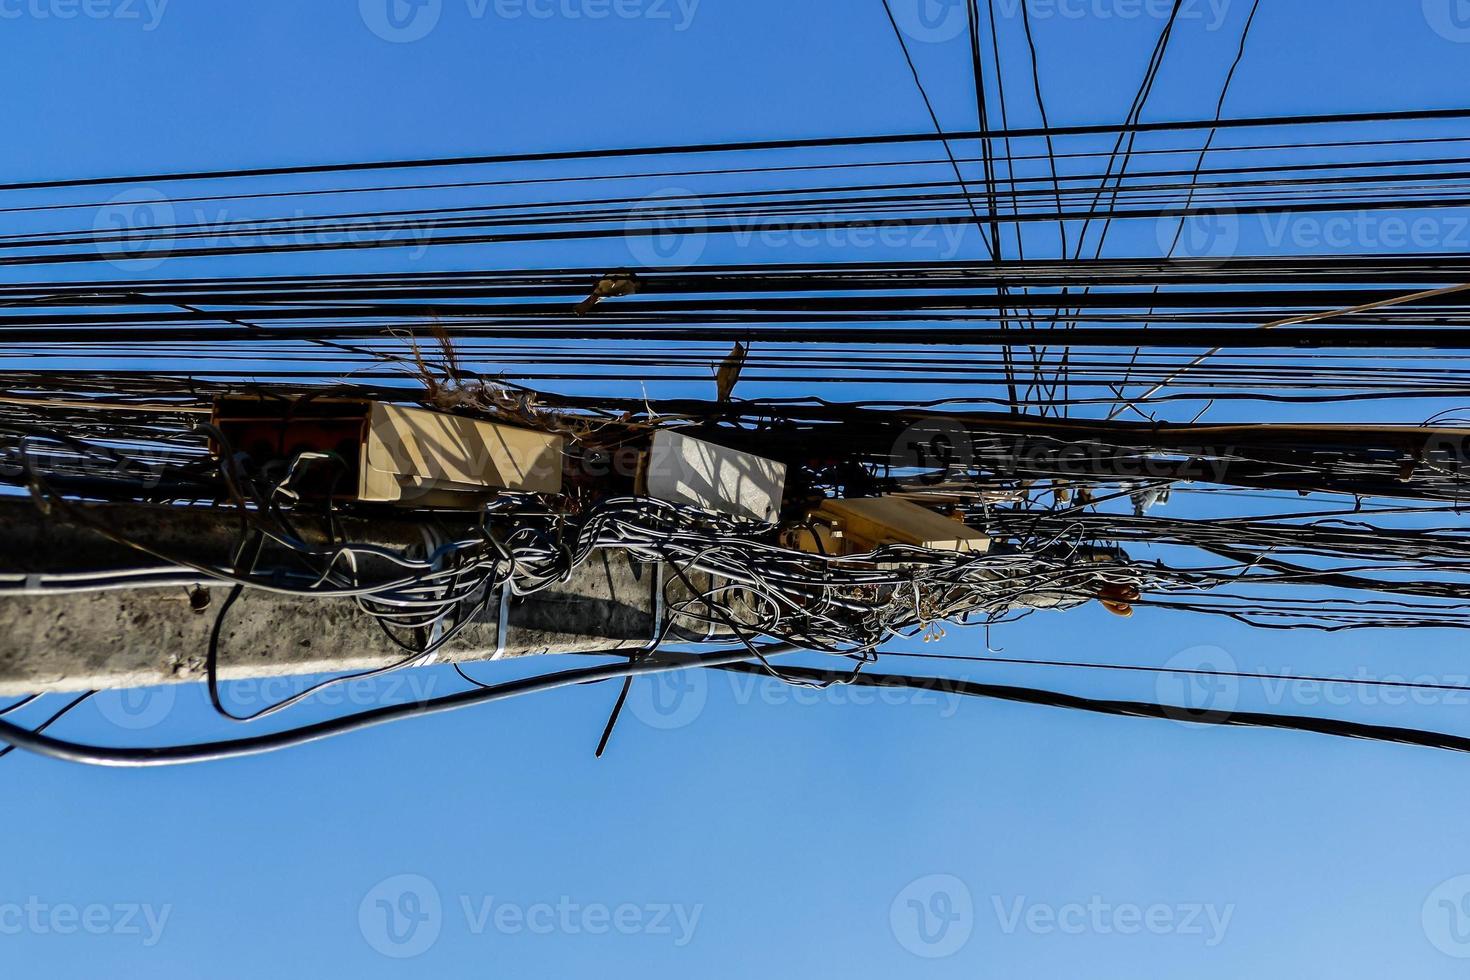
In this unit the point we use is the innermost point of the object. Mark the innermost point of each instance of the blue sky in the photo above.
(734, 829)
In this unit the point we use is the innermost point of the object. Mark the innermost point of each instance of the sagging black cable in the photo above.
(789, 144)
(134, 758)
(1142, 709)
(987, 155)
(1371, 682)
(737, 171)
(57, 716)
(623, 231)
(1134, 115)
(938, 128)
(41, 744)
(23, 702)
(1205, 150)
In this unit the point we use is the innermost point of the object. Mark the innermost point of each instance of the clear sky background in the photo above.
(732, 831)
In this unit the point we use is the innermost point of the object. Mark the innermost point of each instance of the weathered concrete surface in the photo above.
(133, 638)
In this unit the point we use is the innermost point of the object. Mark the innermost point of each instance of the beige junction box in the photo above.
(866, 523)
(397, 454)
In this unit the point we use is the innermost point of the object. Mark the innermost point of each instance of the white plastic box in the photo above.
(685, 470)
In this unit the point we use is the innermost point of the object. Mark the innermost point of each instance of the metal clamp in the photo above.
(502, 620)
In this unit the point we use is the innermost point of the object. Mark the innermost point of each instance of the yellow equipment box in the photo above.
(867, 523)
(411, 457)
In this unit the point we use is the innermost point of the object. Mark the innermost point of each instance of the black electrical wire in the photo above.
(23, 702)
(729, 660)
(1417, 115)
(1186, 671)
(1209, 142)
(1141, 709)
(39, 729)
(41, 744)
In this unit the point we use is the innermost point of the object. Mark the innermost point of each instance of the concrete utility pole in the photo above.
(140, 637)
